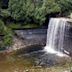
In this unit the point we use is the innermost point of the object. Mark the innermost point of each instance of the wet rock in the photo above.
(45, 59)
(27, 70)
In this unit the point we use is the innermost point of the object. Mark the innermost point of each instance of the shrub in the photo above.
(4, 13)
(65, 5)
(7, 38)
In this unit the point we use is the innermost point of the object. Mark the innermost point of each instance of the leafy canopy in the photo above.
(7, 38)
(32, 10)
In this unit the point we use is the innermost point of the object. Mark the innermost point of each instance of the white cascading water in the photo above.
(55, 36)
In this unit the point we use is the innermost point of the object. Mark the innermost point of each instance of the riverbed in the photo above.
(25, 63)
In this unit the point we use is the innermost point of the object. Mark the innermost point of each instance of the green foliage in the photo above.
(4, 13)
(7, 38)
(48, 6)
(19, 25)
(32, 10)
(65, 5)
(51, 6)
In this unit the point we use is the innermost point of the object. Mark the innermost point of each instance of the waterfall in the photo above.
(55, 36)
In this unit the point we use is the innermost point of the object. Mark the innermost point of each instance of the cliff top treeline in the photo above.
(30, 14)
(35, 11)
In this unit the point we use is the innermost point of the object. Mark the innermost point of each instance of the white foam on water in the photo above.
(55, 36)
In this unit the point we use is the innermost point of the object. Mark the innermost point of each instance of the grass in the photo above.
(18, 25)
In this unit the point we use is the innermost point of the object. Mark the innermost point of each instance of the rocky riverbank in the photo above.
(26, 38)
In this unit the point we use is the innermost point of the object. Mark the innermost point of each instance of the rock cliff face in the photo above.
(68, 37)
(29, 37)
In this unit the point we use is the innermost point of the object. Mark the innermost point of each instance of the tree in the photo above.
(65, 5)
(32, 10)
(36, 10)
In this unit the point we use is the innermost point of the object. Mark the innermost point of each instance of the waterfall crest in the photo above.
(55, 36)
